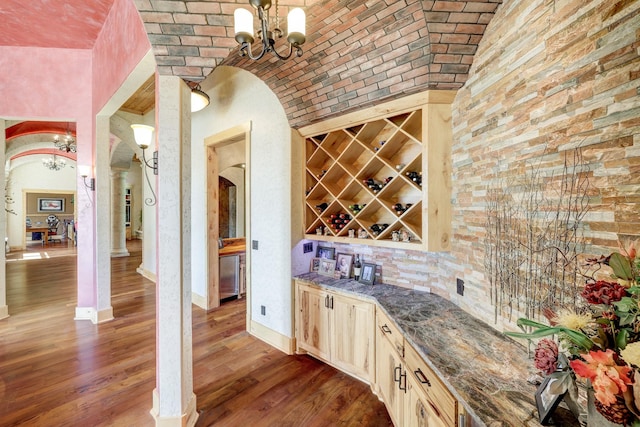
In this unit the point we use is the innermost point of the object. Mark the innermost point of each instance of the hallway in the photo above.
(57, 371)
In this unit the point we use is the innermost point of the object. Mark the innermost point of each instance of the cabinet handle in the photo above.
(420, 376)
(400, 386)
(396, 376)
(331, 305)
(462, 420)
(385, 329)
(434, 409)
(326, 301)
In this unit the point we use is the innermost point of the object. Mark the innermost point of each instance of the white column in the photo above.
(4, 309)
(174, 403)
(104, 310)
(118, 228)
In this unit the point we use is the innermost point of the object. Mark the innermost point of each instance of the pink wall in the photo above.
(45, 83)
(120, 46)
(73, 85)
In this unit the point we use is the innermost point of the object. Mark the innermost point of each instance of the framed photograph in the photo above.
(344, 263)
(546, 401)
(50, 205)
(326, 267)
(326, 252)
(315, 264)
(368, 273)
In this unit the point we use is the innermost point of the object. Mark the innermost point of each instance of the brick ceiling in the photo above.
(190, 38)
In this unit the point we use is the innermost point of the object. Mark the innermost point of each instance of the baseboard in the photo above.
(146, 273)
(199, 300)
(120, 253)
(4, 311)
(188, 419)
(90, 313)
(273, 338)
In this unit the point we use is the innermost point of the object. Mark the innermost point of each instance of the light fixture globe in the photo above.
(199, 99)
(142, 135)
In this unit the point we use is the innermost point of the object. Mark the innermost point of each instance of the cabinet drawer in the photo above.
(440, 399)
(390, 331)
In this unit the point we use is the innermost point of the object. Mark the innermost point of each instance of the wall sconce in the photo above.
(84, 173)
(199, 99)
(142, 135)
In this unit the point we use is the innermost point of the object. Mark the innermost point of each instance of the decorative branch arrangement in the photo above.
(534, 236)
(8, 200)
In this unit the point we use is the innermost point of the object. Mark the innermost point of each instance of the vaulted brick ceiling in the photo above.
(190, 38)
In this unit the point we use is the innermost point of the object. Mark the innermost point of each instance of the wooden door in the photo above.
(312, 329)
(389, 368)
(352, 336)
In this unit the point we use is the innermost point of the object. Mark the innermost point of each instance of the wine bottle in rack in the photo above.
(321, 207)
(356, 268)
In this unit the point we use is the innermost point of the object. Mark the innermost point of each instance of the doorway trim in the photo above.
(240, 133)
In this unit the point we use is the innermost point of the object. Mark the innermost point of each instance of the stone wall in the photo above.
(548, 76)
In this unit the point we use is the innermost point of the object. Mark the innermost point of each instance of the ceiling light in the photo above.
(199, 99)
(54, 163)
(243, 25)
(67, 144)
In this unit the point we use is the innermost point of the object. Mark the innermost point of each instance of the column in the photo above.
(4, 309)
(118, 228)
(174, 403)
(93, 214)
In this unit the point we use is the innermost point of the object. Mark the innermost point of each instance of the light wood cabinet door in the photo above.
(390, 377)
(313, 325)
(352, 336)
(418, 410)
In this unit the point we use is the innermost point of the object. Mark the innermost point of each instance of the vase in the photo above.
(595, 418)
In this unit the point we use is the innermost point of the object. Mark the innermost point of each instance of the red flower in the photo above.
(602, 292)
(607, 377)
(546, 356)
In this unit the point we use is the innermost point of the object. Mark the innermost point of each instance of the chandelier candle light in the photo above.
(68, 143)
(53, 163)
(243, 25)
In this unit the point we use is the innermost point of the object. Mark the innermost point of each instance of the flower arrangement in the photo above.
(601, 339)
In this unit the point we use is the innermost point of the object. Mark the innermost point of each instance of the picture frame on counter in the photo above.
(315, 265)
(344, 265)
(326, 252)
(546, 401)
(327, 267)
(368, 273)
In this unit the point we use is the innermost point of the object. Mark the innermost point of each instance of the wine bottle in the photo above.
(356, 268)
(321, 207)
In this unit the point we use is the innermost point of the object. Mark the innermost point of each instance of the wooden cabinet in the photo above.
(390, 371)
(413, 394)
(439, 399)
(337, 329)
(384, 171)
(418, 410)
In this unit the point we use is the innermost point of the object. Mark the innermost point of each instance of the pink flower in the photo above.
(546, 356)
(608, 379)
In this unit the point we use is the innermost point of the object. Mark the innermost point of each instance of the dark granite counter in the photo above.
(485, 370)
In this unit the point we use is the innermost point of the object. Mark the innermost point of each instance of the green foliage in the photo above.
(621, 266)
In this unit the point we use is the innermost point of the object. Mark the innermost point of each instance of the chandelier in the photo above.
(67, 144)
(243, 25)
(54, 163)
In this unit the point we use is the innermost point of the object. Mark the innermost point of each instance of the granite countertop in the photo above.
(485, 370)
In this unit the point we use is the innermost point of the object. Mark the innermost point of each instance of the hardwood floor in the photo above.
(55, 371)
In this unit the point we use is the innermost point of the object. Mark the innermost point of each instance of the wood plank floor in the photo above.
(55, 371)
